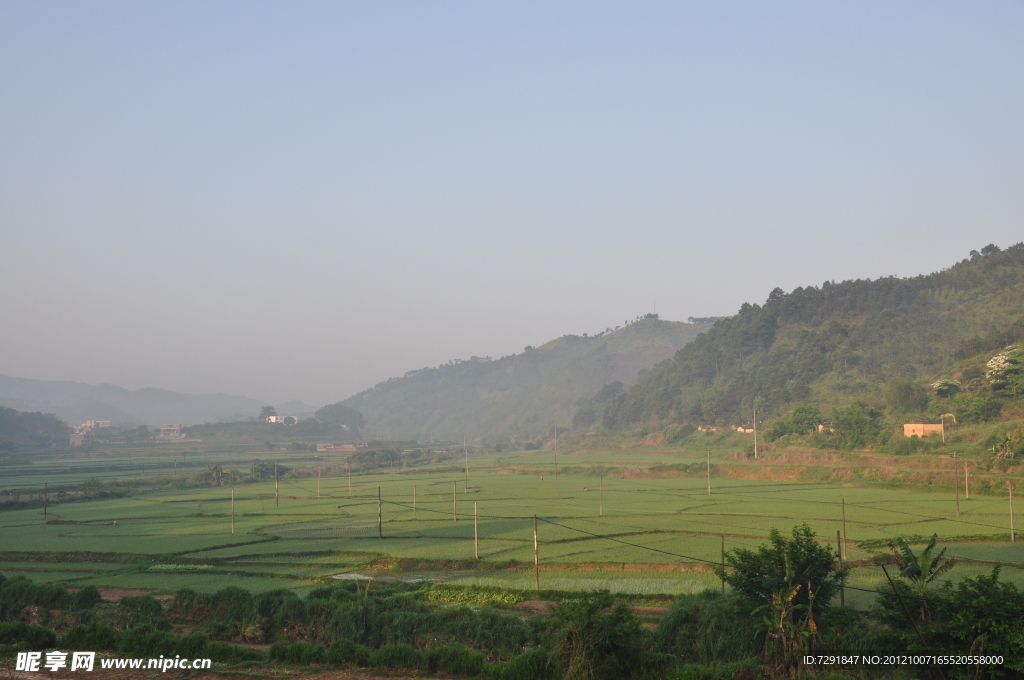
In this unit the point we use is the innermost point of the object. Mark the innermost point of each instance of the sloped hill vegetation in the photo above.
(521, 396)
(852, 357)
(30, 430)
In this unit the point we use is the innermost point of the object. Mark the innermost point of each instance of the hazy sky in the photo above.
(298, 200)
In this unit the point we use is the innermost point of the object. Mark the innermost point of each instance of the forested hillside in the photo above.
(864, 349)
(23, 430)
(517, 397)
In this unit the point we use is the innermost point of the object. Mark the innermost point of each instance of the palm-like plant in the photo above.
(786, 631)
(921, 568)
(216, 474)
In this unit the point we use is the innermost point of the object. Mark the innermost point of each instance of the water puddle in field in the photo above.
(404, 578)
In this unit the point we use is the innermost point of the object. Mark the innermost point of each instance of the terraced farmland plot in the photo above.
(582, 521)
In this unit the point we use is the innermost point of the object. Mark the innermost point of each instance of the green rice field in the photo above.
(634, 533)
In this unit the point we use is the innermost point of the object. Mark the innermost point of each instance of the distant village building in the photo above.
(745, 429)
(343, 448)
(171, 431)
(284, 420)
(88, 434)
(922, 429)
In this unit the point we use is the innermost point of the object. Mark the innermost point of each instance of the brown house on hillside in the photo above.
(922, 429)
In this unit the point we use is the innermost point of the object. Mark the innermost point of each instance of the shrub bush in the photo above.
(725, 671)
(347, 653)
(92, 637)
(531, 665)
(86, 598)
(222, 652)
(454, 659)
(19, 592)
(397, 656)
(32, 637)
(707, 628)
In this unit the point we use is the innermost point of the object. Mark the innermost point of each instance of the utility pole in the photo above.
(755, 432)
(455, 502)
(318, 484)
(600, 512)
(556, 454)
(380, 517)
(467, 462)
(232, 511)
(277, 487)
(967, 484)
(414, 501)
(844, 528)
(46, 497)
(956, 483)
(723, 564)
(709, 471)
(1010, 488)
(536, 558)
(839, 550)
(392, 470)
(348, 468)
(476, 534)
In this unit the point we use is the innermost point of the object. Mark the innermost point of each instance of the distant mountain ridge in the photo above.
(521, 396)
(76, 402)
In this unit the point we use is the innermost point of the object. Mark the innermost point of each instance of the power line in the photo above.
(698, 559)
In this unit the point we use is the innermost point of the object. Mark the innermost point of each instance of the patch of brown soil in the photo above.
(640, 610)
(115, 594)
(535, 606)
(772, 473)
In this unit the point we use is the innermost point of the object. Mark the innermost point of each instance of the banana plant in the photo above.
(923, 568)
(787, 632)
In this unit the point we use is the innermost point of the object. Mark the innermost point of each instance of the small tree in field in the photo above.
(785, 580)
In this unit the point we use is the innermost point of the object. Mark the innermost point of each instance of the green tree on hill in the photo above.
(336, 414)
(805, 418)
(1006, 371)
(904, 395)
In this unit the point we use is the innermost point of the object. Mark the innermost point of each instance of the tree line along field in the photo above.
(644, 534)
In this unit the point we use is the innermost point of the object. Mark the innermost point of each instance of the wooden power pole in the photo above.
(1010, 489)
(536, 557)
(956, 483)
(709, 471)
